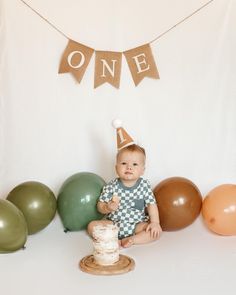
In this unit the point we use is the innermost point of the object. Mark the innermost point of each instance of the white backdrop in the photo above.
(52, 127)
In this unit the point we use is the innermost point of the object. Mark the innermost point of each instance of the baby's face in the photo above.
(130, 165)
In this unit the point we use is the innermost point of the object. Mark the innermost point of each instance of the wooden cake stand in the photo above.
(125, 264)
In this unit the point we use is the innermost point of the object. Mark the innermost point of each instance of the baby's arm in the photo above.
(154, 225)
(108, 207)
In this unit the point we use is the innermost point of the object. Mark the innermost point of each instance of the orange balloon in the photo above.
(219, 210)
(179, 202)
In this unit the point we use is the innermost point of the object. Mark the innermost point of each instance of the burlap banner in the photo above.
(76, 58)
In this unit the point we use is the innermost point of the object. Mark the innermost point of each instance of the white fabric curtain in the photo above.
(52, 127)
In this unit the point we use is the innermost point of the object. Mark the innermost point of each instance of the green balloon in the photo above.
(13, 227)
(77, 200)
(37, 202)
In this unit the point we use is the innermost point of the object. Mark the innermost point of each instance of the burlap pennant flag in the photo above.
(141, 63)
(107, 68)
(75, 59)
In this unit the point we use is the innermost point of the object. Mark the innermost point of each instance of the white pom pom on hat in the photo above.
(123, 138)
(117, 123)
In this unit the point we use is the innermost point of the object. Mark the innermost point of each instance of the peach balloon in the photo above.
(219, 210)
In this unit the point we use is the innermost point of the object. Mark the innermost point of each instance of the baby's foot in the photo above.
(127, 242)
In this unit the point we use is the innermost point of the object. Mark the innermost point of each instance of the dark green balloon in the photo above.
(77, 200)
(37, 202)
(13, 227)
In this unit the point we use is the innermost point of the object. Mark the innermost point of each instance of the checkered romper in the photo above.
(133, 201)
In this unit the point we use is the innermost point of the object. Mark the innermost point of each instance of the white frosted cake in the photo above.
(106, 246)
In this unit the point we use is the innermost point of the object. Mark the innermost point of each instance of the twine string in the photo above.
(181, 21)
(158, 37)
(46, 20)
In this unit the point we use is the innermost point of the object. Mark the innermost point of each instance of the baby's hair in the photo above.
(132, 148)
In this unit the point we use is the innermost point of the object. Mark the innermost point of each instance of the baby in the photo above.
(128, 200)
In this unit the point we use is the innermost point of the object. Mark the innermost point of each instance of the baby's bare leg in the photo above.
(93, 223)
(140, 236)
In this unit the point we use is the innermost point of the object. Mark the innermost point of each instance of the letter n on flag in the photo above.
(107, 68)
(141, 63)
(75, 59)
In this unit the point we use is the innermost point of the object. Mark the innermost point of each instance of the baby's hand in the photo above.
(155, 229)
(116, 199)
(114, 203)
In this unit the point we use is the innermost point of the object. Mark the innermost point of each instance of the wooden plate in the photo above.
(125, 264)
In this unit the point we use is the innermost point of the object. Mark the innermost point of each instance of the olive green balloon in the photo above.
(77, 200)
(37, 202)
(13, 227)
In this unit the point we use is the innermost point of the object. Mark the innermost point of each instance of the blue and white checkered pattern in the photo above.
(133, 201)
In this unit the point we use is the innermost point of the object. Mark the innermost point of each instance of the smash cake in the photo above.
(106, 245)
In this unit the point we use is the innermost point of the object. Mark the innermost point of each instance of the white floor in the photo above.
(189, 261)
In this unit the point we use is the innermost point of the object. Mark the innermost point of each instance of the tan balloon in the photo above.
(219, 210)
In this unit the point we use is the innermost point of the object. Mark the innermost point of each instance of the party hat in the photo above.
(123, 138)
